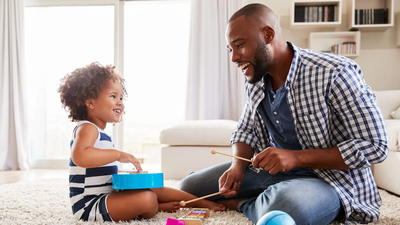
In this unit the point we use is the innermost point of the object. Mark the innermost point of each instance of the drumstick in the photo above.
(183, 203)
(213, 152)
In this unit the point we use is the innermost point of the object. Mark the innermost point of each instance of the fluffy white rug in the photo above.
(47, 202)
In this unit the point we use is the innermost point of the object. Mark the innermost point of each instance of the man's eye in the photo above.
(238, 45)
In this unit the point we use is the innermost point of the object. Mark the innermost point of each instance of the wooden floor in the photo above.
(13, 176)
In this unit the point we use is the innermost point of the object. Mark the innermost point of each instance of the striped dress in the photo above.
(90, 187)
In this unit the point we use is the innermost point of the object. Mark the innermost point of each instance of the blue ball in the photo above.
(276, 217)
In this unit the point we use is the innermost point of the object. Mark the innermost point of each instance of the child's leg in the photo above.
(168, 198)
(126, 205)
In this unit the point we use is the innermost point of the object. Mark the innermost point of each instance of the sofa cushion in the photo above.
(396, 114)
(199, 133)
(388, 101)
(393, 129)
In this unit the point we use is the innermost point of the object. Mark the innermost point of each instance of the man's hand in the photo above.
(129, 158)
(230, 181)
(276, 160)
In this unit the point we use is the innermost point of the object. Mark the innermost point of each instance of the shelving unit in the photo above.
(312, 25)
(323, 41)
(369, 4)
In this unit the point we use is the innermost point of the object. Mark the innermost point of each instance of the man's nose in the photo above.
(235, 57)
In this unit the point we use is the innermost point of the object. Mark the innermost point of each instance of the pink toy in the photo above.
(171, 221)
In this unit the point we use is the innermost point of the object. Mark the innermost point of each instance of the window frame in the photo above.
(118, 62)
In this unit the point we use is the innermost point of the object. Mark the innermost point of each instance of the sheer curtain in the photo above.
(215, 85)
(13, 121)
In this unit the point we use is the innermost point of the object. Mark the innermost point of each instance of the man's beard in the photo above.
(262, 59)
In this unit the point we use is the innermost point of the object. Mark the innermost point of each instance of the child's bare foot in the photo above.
(208, 204)
(168, 206)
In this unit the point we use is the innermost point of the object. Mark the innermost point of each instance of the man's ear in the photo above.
(269, 34)
(89, 103)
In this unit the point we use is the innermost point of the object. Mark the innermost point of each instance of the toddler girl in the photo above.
(93, 96)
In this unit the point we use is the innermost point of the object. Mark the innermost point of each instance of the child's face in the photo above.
(109, 106)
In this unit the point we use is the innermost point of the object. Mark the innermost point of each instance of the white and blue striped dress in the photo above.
(90, 187)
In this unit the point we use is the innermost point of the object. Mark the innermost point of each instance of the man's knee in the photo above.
(203, 181)
(187, 183)
(307, 202)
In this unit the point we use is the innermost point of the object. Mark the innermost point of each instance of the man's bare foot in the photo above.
(232, 203)
(168, 206)
(207, 204)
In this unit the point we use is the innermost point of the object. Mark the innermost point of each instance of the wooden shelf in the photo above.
(369, 4)
(323, 41)
(312, 25)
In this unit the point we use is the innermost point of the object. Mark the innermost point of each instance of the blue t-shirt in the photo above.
(274, 110)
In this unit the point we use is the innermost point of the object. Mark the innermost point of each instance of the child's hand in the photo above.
(129, 158)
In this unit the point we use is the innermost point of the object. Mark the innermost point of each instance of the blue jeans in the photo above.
(300, 193)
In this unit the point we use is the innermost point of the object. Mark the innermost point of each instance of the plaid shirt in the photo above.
(332, 106)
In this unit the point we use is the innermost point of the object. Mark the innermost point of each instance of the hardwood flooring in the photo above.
(13, 176)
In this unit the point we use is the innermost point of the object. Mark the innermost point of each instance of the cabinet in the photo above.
(370, 6)
(323, 41)
(315, 14)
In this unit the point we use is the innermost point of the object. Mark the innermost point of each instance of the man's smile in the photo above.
(244, 67)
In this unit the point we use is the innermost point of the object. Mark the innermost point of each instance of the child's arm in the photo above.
(85, 155)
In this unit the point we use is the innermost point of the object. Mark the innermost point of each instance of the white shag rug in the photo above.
(47, 202)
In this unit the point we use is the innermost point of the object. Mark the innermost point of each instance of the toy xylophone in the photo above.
(195, 217)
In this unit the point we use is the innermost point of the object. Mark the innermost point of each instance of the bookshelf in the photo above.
(321, 14)
(323, 41)
(353, 5)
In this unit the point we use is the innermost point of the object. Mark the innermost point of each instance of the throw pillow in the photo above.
(396, 114)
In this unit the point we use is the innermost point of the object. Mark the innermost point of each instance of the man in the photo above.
(312, 123)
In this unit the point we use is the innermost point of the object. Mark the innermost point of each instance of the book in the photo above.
(379, 16)
(336, 11)
(356, 16)
(386, 16)
(299, 13)
(306, 14)
(331, 11)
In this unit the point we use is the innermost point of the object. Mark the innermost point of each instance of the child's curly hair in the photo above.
(83, 84)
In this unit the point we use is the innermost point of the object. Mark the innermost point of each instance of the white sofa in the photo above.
(189, 143)
(387, 173)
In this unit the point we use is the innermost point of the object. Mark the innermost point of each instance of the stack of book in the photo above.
(346, 48)
(319, 13)
(371, 16)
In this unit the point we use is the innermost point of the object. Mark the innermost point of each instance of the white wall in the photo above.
(379, 58)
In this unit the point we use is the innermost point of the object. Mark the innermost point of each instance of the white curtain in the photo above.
(215, 85)
(13, 118)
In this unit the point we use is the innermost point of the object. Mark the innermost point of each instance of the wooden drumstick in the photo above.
(213, 152)
(183, 203)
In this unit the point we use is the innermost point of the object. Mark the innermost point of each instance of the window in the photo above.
(155, 44)
(155, 67)
(58, 40)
